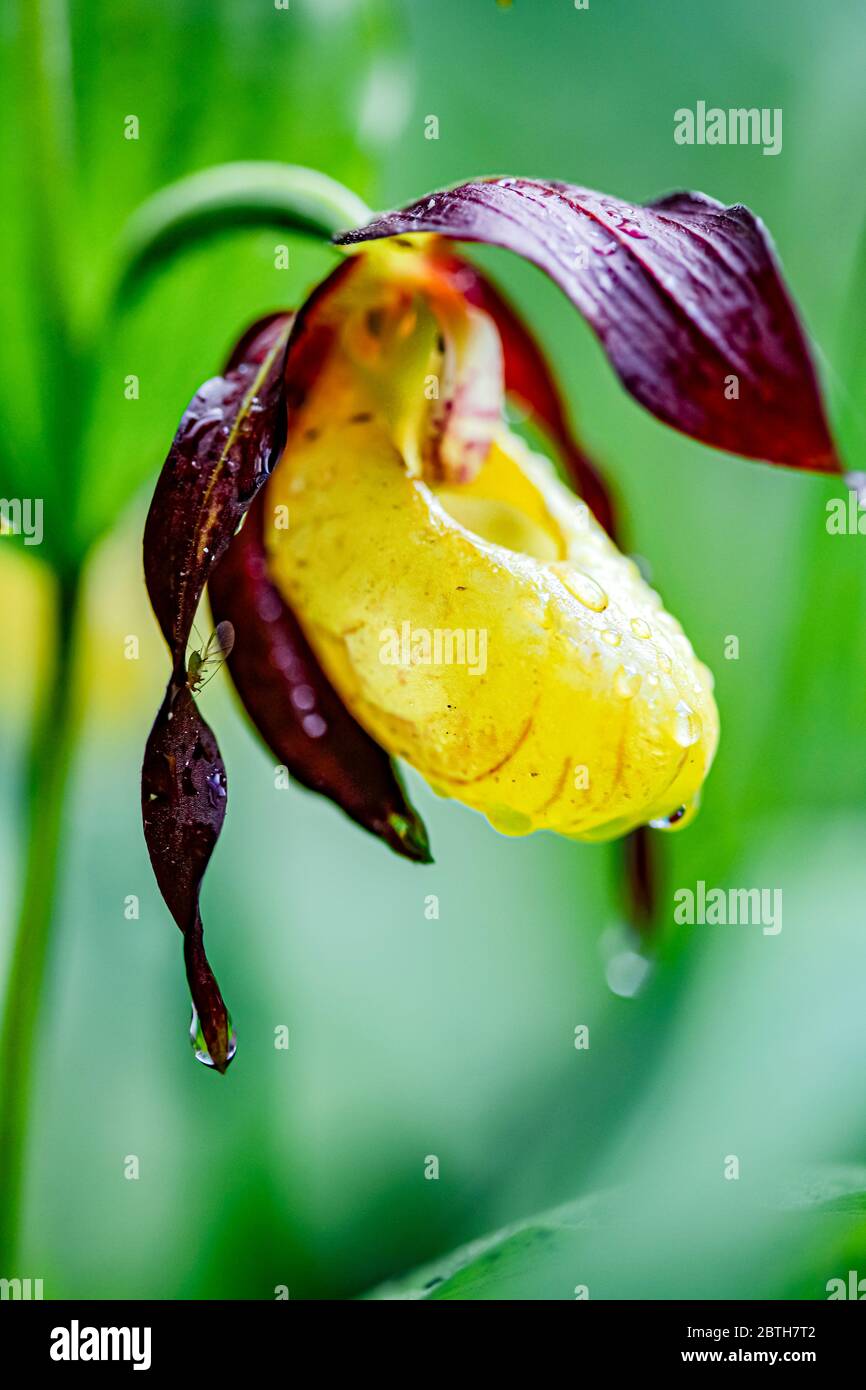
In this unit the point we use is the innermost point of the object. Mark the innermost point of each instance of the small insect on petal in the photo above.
(203, 664)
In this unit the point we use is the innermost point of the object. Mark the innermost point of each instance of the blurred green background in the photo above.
(453, 1037)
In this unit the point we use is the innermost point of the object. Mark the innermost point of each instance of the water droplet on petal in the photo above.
(303, 697)
(681, 817)
(199, 1046)
(640, 628)
(216, 787)
(584, 589)
(626, 682)
(611, 637)
(687, 726)
(665, 663)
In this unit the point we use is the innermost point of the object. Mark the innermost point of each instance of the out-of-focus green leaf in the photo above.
(536, 1257)
(104, 104)
(839, 1188)
(497, 1266)
(848, 385)
(146, 376)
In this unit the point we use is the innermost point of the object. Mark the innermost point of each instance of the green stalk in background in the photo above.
(51, 752)
(44, 69)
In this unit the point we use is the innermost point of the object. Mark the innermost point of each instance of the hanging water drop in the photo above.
(627, 973)
(626, 967)
(199, 1046)
(678, 819)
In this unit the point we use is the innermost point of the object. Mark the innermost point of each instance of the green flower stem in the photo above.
(50, 757)
(247, 194)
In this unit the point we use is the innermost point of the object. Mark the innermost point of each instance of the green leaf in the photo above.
(836, 1188)
(229, 196)
(498, 1266)
(544, 1256)
(105, 105)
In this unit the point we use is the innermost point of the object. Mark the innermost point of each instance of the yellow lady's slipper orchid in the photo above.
(486, 630)
(410, 578)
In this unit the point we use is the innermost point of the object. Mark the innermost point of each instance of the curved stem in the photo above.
(247, 194)
(50, 756)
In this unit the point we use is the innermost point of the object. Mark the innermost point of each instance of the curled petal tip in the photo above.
(408, 836)
(218, 1058)
(221, 1052)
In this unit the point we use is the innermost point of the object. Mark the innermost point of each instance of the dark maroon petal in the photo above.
(528, 378)
(253, 346)
(183, 805)
(684, 294)
(293, 705)
(228, 439)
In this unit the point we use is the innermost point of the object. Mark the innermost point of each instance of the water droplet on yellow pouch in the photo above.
(584, 589)
(640, 628)
(626, 682)
(687, 725)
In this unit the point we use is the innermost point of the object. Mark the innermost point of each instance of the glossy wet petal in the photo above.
(685, 295)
